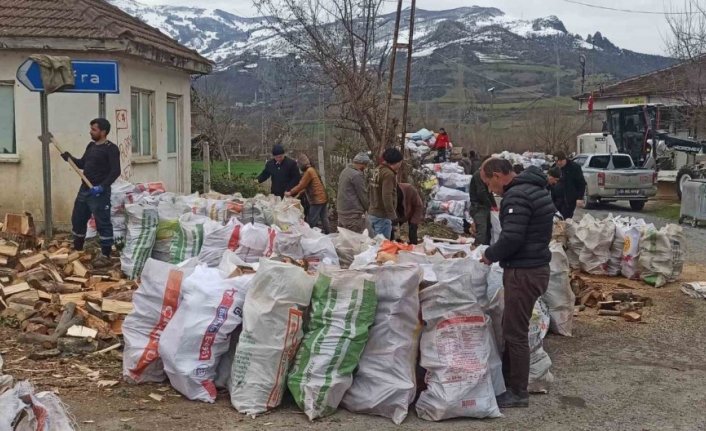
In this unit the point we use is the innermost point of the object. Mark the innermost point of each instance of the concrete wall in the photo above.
(69, 116)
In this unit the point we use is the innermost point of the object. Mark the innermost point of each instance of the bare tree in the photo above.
(338, 39)
(686, 41)
(552, 130)
(214, 115)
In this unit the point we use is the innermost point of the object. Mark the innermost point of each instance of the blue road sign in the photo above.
(91, 77)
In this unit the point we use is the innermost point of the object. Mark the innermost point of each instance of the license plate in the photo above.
(628, 192)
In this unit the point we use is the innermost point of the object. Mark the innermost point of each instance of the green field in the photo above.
(245, 167)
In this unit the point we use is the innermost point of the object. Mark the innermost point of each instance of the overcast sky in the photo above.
(638, 32)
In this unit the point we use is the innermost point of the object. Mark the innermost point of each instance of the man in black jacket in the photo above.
(101, 166)
(283, 171)
(573, 182)
(526, 215)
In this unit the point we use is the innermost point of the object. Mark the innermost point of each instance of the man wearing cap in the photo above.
(383, 193)
(282, 170)
(352, 200)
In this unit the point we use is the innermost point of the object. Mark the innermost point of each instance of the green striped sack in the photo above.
(188, 239)
(342, 310)
(141, 233)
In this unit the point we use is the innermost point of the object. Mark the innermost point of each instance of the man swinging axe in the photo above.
(101, 167)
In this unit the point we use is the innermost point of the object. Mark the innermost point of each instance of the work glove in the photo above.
(66, 156)
(96, 191)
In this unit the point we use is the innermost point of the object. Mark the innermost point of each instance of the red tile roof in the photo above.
(92, 20)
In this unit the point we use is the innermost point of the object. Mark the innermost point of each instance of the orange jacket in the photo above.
(313, 187)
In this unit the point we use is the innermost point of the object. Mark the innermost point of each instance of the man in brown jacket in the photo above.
(383, 193)
(410, 209)
(315, 192)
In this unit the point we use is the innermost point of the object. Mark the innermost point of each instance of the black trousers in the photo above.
(523, 286)
(99, 207)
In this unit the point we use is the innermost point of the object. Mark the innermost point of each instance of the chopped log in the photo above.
(608, 305)
(81, 332)
(20, 224)
(609, 312)
(4, 260)
(9, 249)
(74, 256)
(79, 298)
(117, 326)
(70, 288)
(78, 280)
(43, 295)
(28, 297)
(68, 270)
(59, 259)
(113, 306)
(15, 288)
(122, 296)
(632, 316)
(31, 261)
(80, 269)
(54, 273)
(102, 327)
(106, 286)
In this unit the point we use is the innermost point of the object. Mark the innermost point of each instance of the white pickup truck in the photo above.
(614, 177)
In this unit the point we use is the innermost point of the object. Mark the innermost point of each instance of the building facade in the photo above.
(150, 116)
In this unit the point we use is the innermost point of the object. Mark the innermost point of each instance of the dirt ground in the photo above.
(611, 375)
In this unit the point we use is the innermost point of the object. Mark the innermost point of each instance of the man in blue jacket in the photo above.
(101, 165)
(283, 171)
(526, 216)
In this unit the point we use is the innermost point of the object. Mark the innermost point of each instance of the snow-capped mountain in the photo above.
(483, 40)
(220, 35)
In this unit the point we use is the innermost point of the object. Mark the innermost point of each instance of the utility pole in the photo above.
(408, 72)
(558, 67)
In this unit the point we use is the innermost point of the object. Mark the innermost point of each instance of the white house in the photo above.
(150, 116)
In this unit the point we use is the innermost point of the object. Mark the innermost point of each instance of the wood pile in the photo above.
(615, 299)
(54, 295)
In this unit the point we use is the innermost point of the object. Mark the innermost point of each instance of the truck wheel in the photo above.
(637, 205)
(685, 174)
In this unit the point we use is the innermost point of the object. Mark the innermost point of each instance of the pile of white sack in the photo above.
(420, 143)
(229, 321)
(526, 159)
(21, 408)
(626, 246)
(450, 202)
(174, 228)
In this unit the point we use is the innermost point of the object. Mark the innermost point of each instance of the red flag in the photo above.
(590, 104)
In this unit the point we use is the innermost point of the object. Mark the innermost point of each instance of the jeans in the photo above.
(319, 213)
(381, 226)
(98, 206)
(523, 286)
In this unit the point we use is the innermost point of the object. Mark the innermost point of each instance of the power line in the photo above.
(644, 12)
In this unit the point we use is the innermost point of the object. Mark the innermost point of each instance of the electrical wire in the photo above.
(614, 9)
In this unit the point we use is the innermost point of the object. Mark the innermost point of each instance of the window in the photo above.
(7, 119)
(141, 115)
(622, 162)
(599, 162)
(172, 124)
